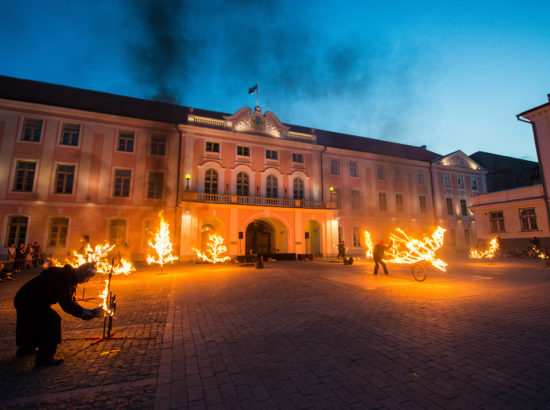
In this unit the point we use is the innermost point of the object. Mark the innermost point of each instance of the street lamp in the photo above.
(331, 189)
(187, 178)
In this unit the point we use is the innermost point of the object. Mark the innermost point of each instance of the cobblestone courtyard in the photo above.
(299, 335)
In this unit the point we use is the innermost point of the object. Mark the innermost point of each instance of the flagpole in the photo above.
(257, 96)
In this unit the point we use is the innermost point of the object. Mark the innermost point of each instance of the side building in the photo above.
(82, 166)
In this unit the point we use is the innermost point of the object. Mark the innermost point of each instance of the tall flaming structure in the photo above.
(368, 245)
(488, 254)
(162, 245)
(405, 249)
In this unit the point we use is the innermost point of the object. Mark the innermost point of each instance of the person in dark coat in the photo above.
(38, 325)
(378, 255)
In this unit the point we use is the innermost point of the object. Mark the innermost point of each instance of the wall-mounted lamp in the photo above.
(187, 178)
(331, 189)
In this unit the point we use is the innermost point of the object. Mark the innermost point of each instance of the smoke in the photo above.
(221, 48)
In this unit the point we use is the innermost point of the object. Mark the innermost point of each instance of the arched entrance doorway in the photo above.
(313, 238)
(265, 236)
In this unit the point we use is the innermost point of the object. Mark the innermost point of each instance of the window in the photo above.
(243, 151)
(148, 233)
(382, 201)
(528, 219)
(121, 187)
(355, 199)
(271, 190)
(155, 185)
(353, 169)
(467, 237)
(452, 237)
(450, 210)
(399, 202)
(463, 207)
(420, 177)
(64, 177)
(446, 181)
(380, 172)
(57, 234)
(242, 184)
(299, 158)
(211, 182)
(212, 146)
(126, 141)
(117, 231)
(397, 174)
(423, 204)
(460, 180)
(23, 180)
(298, 188)
(158, 145)
(70, 134)
(473, 182)
(16, 231)
(334, 167)
(496, 219)
(271, 154)
(356, 236)
(32, 129)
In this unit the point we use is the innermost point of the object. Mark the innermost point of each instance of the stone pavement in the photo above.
(299, 335)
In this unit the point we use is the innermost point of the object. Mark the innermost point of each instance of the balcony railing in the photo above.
(257, 201)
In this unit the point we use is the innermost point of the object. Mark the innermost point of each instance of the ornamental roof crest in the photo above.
(254, 122)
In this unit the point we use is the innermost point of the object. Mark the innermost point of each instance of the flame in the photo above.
(105, 297)
(410, 250)
(368, 245)
(488, 254)
(215, 247)
(100, 256)
(162, 244)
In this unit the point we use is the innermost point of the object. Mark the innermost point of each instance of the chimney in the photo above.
(548, 96)
(423, 146)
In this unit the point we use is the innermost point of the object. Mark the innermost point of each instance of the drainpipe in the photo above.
(433, 193)
(322, 184)
(177, 227)
(541, 167)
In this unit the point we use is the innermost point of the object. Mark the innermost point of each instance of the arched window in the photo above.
(211, 182)
(271, 190)
(298, 188)
(117, 231)
(242, 184)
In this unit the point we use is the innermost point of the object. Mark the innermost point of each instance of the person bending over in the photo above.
(38, 325)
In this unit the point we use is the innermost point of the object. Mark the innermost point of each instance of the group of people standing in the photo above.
(21, 258)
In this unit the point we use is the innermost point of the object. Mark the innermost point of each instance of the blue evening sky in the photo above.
(450, 75)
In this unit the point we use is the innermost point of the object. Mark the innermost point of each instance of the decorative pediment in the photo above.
(246, 120)
(458, 159)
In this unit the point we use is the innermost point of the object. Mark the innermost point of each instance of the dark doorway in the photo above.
(258, 238)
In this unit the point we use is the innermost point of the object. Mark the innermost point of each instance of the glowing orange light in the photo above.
(488, 254)
(105, 296)
(368, 245)
(214, 248)
(162, 245)
(100, 255)
(410, 250)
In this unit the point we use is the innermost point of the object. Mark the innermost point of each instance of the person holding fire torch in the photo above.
(378, 255)
(38, 325)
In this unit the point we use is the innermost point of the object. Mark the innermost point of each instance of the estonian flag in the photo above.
(252, 90)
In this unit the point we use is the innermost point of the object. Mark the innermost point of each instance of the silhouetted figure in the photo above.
(378, 255)
(38, 325)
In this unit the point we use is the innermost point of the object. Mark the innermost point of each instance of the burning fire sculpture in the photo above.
(488, 254)
(410, 250)
(162, 245)
(100, 255)
(214, 248)
(368, 245)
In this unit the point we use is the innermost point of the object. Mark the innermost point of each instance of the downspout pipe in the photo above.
(541, 166)
(433, 193)
(322, 184)
(177, 227)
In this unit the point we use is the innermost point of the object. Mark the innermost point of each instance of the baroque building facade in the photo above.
(82, 166)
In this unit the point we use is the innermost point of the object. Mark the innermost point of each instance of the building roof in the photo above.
(507, 172)
(106, 103)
